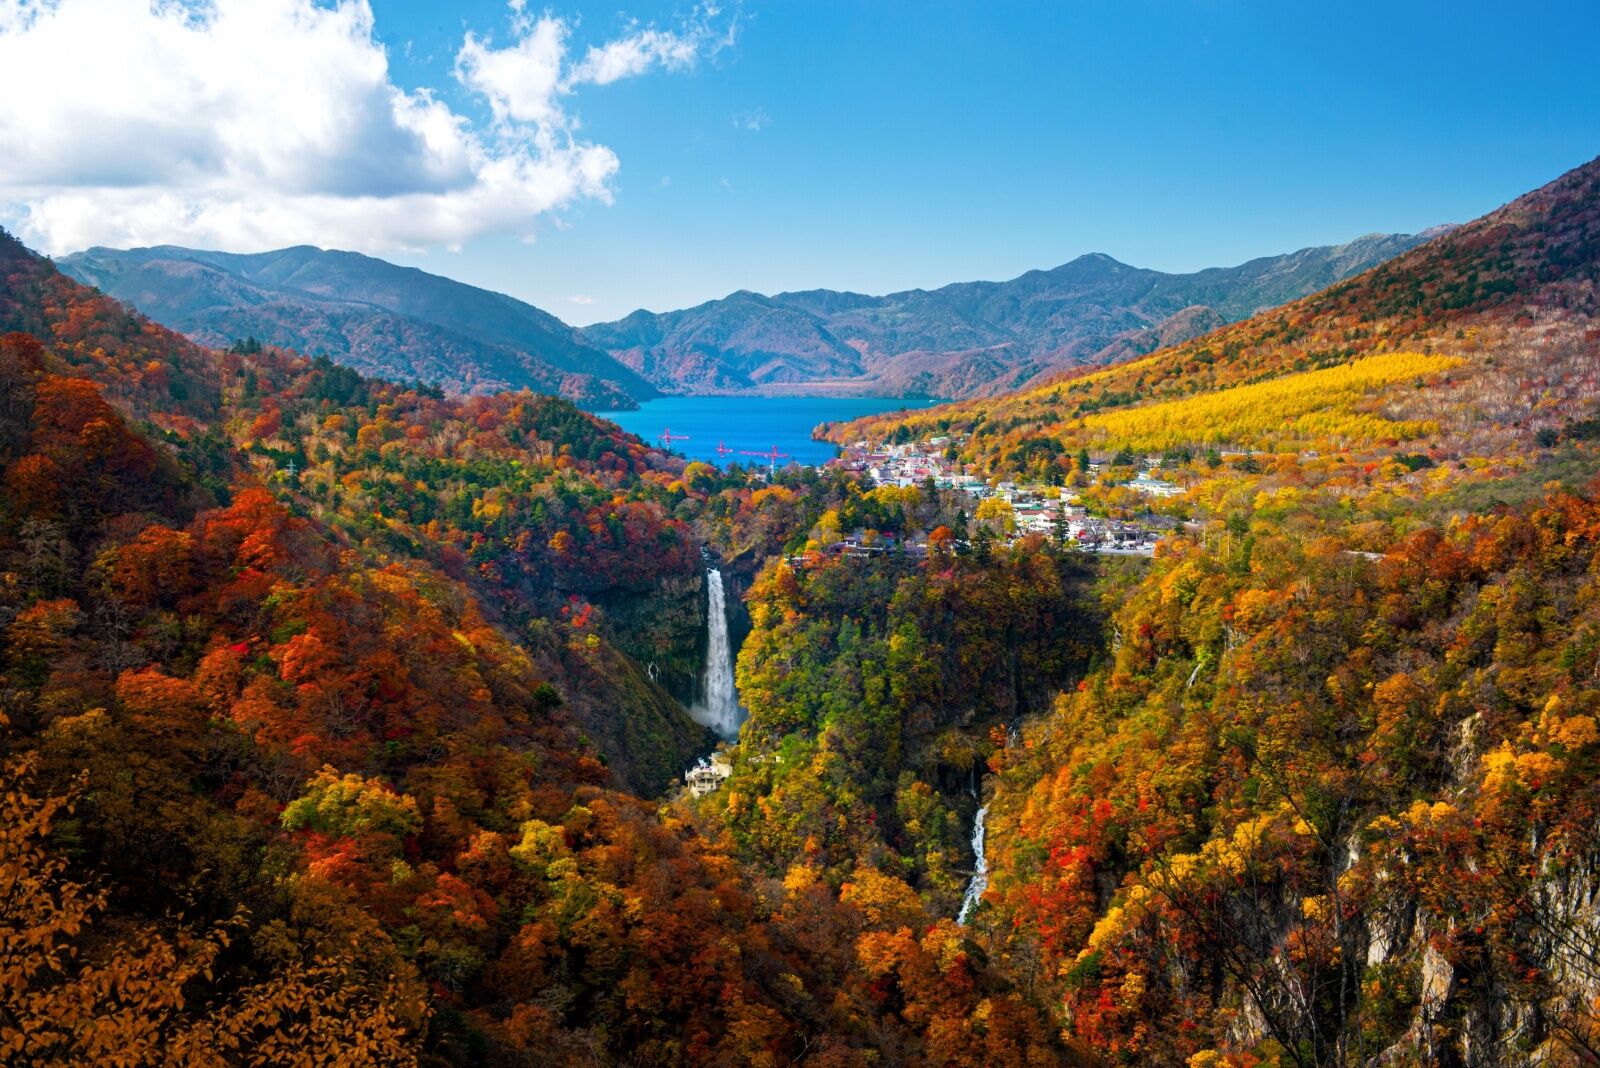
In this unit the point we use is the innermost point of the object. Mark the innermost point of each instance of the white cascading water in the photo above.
(980, 870)
(719, 709)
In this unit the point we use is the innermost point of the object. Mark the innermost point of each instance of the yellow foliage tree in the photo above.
(70, 995)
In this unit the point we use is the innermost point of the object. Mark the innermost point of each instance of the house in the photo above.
(1036, 520)
(1154, 487)
(864, 543)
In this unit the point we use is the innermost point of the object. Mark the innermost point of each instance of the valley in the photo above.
(579, 536)
(1233, 703)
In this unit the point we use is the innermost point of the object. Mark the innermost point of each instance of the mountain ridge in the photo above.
(377, 317)
(965, 339)
(1479, 289)
(364, 668)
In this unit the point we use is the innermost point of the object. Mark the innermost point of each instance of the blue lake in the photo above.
(750, 424)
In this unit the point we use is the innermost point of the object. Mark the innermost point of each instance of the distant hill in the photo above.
(970, 338)
(365, 313)
(1508, 296)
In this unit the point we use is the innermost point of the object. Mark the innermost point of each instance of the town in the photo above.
(1023, 510)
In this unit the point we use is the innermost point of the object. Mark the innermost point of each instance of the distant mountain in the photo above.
(374, 316)
(1511, 295)
(970, 338)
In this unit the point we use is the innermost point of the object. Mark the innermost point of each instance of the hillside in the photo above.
(1507, 296)
(327, 737)
(966, 339)
(1327, 795)
(457, 497)
(341, 719)
(364, 313)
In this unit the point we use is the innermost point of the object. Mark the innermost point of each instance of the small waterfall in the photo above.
(980, 871)
(719, 708)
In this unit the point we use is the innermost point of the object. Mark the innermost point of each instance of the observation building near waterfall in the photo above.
(708, 776)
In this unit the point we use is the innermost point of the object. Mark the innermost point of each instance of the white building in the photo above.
(1154, 487)
(708, 775)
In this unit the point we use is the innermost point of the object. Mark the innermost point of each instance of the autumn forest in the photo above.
(344, 721)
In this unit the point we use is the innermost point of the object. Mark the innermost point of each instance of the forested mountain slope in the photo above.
(324, 727)
(969, 338)
(1328, 797)
(364, 313)
(316, 713)
(1507, 301)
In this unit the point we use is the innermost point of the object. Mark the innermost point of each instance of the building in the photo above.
(708, 775)
(1154, 487)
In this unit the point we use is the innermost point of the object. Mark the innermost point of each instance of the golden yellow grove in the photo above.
(1309, 406)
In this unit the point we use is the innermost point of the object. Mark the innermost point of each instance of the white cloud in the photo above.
(250, 124)
(644, 47)
(754, 120)
(580, 298)
(635, 54)
(523, 81)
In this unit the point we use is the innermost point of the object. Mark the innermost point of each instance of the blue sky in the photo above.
(914, 144)
(878, 146)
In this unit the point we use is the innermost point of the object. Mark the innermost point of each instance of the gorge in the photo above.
(718, 707)
(980, 870)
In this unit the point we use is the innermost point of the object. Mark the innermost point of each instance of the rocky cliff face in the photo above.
(1461, 1009)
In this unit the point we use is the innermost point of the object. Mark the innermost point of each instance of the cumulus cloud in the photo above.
(249, 124)
(522, 81)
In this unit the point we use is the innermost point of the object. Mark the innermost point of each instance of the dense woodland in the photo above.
(340, 720)
(322, 744)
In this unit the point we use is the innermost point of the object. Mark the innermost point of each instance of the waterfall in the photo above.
(980, 871)
(719, 708)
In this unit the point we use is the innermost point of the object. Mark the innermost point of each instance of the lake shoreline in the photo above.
(752, 430)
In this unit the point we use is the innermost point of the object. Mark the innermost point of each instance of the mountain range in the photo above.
(364, 313)
(967, 339)
(1500, 293)
(970, 338)
(343, 720)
